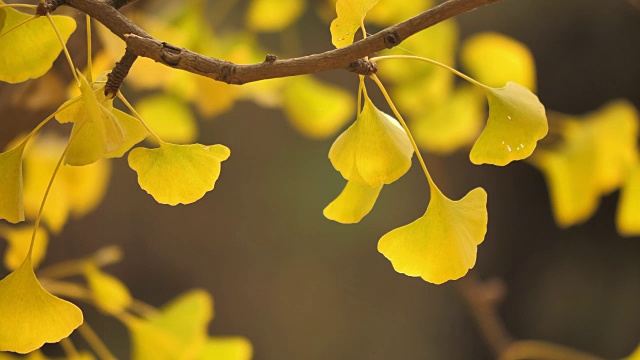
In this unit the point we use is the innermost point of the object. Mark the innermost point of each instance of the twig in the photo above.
(142, 44)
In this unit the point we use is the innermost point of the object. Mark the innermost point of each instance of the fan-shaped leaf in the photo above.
(273, 15)
(19, 239)
(350, 16)
(108, 292)
(353, 203)
(11, 188)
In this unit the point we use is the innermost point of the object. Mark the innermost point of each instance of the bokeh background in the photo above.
(302, 287)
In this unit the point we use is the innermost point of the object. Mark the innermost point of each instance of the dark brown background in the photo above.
(302, 287)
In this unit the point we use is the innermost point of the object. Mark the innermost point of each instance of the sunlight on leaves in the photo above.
(495, 59)
(628, 216)
(178, 174)
(169, 117)
(452, 124)
(375, 150)
(315, 108)
(226, 348)
(76, 190)
(350, 13)
(516, 122)
(19, 239)
(30, 315)
(353, 203)
(34, 45)
(273, 15)
(442, 244)
(108, 292)
(178, 331)
(11, 185)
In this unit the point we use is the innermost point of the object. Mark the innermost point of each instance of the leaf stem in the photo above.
(135, 113)
(18, 25)
(95, 342)
(406, 129)
(430, 61)
(89, 51)
(64, 48)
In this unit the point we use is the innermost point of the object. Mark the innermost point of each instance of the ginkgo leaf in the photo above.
(108, 292)
(19, 239)
(495, 59)
(178, 174)
(350, 16)
(516, 122)
(96, 130)
(442, 244)
(226, 348)
(75, 191)
(273, 15)
(452, 124)
(387, 12)
(134, 132)
(30, 315)
(178, 331)
(11, 186)
(375, 150)
(34, 45)
(628, 216)
(353, 203)
(315, 108)
(169, 117)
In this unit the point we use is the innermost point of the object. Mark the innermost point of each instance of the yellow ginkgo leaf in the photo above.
(353, 203)
(178, 331)
(30, 315)
(442, 244)
(108, 292)
(11, 185)
(178, 174)
(19, 239)
(452, 124)
(516, 122)
(495, 59)
(226, 348)
(387, 12)
(315, 108)
(628, 216)
(169, 117)
(134, 132)
(34, 45)
(273, 15)
(375, 150)
(213, 98)
(350, 13)
(96, 130)
(76, 190)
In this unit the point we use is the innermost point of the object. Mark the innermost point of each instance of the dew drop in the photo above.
(509, 148)
(340, 39)
(522, 146)
(502, 142)
(509, 117)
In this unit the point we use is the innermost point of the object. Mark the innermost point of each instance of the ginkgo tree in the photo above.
(377, 149)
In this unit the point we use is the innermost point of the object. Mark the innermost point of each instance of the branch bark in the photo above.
(142, 44)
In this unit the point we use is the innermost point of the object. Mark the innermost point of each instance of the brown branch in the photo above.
(142, 44)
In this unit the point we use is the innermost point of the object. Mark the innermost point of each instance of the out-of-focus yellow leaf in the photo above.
(11, 185)
(169, 117)
(451, 125)
(19, 239)
(351, 13)
(315, 108)
(30, 315)
(375, 150)
(517, 120)
(353, 203)
(389, 12)
(635, 355)
(178, 331)
(109, 293)
(226, 348)
(273, 15)
(178, 174)
(442, 244)
(628, 217)
(495, 59)
(213, 98)
(34, 45)
(76, 190)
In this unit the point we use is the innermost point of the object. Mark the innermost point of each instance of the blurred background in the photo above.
(300, 286)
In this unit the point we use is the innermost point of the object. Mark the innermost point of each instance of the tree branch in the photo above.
(142, 44)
